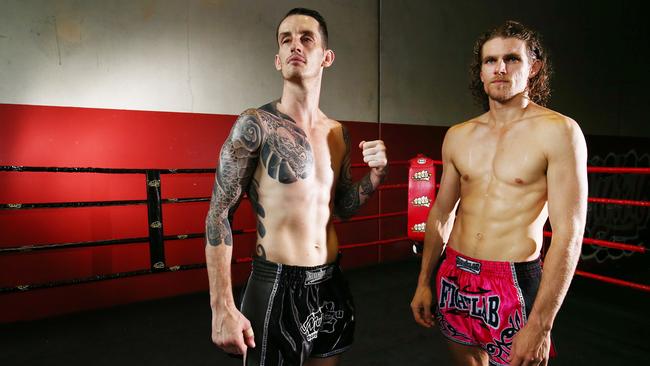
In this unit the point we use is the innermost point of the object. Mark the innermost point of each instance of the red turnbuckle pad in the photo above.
(421, 195)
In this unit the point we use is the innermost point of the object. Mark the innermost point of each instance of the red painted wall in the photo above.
(102, 138)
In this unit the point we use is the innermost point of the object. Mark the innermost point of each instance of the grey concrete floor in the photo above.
(599, 324)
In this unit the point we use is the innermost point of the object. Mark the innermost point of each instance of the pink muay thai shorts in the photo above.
(485, 303)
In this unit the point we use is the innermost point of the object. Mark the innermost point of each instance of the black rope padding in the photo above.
(155, 221)
(186, 171)
(42, 169)
(89, 244)
(112, 276)
(186, 200)
(185, 236)
(21, 168)
(79, 244)
(154, 207)
(26, 206)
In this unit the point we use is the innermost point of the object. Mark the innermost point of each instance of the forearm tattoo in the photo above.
(237, 163)
(350, 196)
(257, 207)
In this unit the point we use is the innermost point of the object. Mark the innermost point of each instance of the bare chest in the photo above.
(294, 158)
(510, 157)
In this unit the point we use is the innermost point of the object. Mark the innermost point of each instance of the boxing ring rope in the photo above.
(607, 244)
(614, 281)
(616, 170)
(619, 202)
(158, 268)
(598, 242)
(345, 246)
(154, 203)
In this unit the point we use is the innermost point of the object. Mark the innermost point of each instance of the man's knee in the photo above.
(468, 355)
(326, 361)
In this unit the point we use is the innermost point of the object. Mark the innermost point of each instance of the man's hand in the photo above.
(232, 332)
(374, 154)
(421, 306)
(530, 346)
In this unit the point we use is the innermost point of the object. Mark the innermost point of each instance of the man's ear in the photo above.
(329, 58)
(278, 63)
(534, 69)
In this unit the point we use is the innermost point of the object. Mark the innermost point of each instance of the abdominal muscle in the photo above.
(297, 225)
(504, 224)
(300, 244)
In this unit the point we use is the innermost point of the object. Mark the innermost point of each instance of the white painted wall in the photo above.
(208, 56)
(216, 56)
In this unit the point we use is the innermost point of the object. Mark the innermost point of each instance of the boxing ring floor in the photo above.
(599, 324)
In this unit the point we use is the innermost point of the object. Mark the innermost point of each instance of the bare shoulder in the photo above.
(457, 136)
(340, 131)
(463, 129)
(555, 124)
(250, 111)
(247, 130)
(333, 124)
(268, 115)
(557, 131)
(248, 117)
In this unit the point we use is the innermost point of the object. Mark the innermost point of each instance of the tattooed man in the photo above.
(294, 164)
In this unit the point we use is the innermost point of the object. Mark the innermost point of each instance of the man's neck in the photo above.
(300, 101)
(503, 114)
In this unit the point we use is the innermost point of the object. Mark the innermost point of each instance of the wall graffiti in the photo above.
(625, 224)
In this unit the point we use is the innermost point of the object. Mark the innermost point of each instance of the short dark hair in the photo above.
(310, 13)
(539, 88)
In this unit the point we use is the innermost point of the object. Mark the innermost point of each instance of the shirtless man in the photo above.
(294, 163)
(508, 170)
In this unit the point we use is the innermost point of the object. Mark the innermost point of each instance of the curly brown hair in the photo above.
(539, 88)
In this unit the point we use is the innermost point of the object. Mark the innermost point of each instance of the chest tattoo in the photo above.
(285, 154)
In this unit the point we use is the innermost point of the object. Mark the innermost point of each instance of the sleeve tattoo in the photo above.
(350, 196)
(237, 162)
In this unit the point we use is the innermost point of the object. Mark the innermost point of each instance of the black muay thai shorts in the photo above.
(297, 313)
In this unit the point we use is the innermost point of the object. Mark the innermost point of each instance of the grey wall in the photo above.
(210, 56)
(215, 56)
(599, 51)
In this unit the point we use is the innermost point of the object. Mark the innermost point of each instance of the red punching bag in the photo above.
(421, 195)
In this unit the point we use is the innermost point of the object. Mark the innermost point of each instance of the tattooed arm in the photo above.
(350, 196)
(239, 154)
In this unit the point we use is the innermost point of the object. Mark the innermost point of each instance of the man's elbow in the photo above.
(570, 242)
(575, 245)
(345, 206)
(343, 214)
(209, 223)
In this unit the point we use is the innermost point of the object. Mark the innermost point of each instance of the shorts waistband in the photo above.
(270, 271)
(481, 266)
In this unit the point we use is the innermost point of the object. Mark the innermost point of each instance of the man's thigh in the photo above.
(327, 361)
(467, 355)
(336, 331)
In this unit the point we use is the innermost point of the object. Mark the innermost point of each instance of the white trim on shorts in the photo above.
(519, 294)
(331, 353)
(268, 314)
